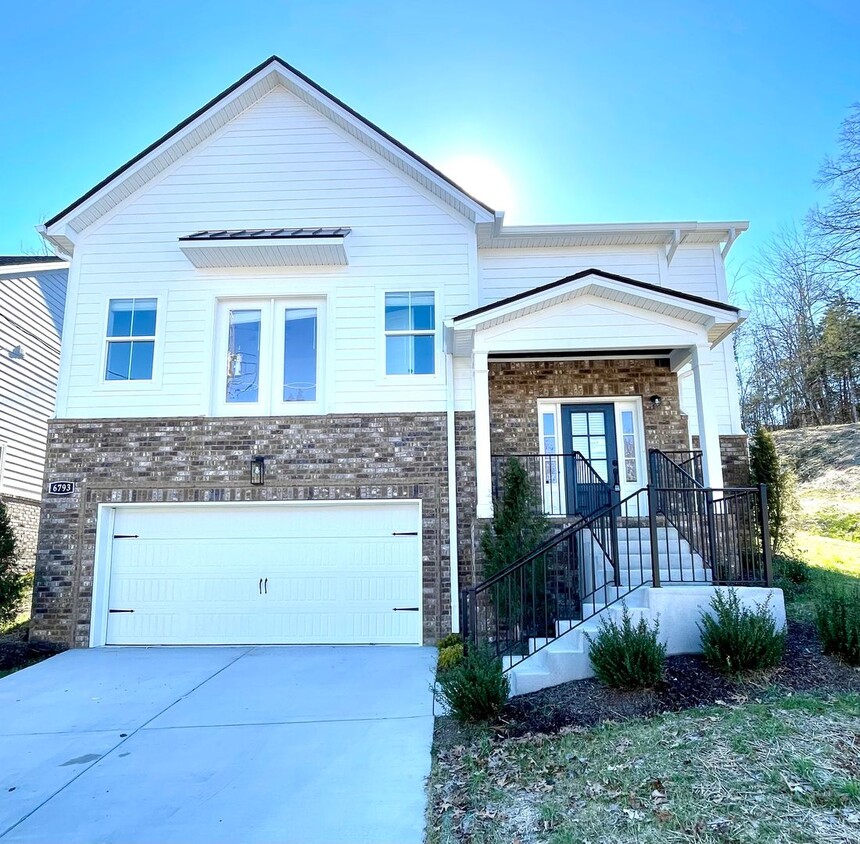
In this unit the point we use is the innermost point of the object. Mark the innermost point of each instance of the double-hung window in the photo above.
(270, 356)
(410, 333)
(130, 339)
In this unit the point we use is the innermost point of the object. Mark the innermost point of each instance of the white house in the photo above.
(297, 356)
(32, 298)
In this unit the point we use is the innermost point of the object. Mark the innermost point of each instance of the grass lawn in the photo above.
(783, 770)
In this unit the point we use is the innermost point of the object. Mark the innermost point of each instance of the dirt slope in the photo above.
(826, 458)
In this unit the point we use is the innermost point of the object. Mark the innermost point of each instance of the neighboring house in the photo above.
(297, 355)
(32, 298)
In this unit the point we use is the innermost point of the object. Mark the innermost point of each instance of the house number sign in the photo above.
(61, 487)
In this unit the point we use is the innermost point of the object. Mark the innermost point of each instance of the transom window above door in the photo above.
(269, 357)
(410, 333)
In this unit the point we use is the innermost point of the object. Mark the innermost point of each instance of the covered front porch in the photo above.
(588, 366)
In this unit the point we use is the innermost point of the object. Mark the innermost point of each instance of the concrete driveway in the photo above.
(269, 744)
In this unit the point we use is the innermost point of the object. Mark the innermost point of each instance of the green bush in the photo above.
(767, 468)
(476, 688)
(837, 615)
(450, 656)
(627, 656)
(736, 638)
(791, 569)
(13, 579)
(449, 640)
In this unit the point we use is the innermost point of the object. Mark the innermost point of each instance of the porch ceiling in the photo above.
(592, 311)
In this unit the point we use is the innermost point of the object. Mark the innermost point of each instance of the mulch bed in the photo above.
(688, 682)
(16, 652)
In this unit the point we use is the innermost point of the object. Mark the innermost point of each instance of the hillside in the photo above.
(825, 459)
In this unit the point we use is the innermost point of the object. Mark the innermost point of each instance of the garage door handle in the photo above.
(261, 586)
(266, 585)
(120, 610)
(405, 609)
(126, 536)
(405, 533)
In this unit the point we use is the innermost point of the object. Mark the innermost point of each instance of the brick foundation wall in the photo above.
(735, 457)
(24, 517)
(515, 387)
(202, 459)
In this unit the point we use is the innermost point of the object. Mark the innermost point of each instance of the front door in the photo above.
(589, 429)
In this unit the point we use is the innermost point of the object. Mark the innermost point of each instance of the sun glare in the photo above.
(482, 178)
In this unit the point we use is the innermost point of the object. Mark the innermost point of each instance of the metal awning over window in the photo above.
(283, 247)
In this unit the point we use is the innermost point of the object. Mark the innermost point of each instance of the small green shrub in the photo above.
(837, 615)
(449, 640)
(736, 638)
(450, 656)
(476, 688)
(627, 656)
(766, 467)
(13, 579)
(791, 569)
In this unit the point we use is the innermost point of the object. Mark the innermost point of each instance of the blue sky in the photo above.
(566, 111)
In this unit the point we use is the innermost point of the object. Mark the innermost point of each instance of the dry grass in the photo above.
(783, 771)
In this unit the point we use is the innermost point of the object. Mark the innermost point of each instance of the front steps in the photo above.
(565, 658)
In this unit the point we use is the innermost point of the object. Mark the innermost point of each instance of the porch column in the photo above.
(483, 463)
(709, 438)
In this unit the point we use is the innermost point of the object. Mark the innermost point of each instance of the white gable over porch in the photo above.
(597, 314)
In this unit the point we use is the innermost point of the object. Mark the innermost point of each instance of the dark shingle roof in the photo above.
(14, 260)
(267, 234)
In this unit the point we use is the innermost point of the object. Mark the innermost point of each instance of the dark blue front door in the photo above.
(589, 429)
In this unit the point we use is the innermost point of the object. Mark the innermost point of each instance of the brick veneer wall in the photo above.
(515, 387)
(24, 517)
(735, 457)
(203, 459)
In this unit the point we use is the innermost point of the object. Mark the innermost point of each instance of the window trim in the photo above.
(102, 384)
(270, 393)
(382, 334)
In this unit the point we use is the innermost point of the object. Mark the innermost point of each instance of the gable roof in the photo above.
(632, 282)
(226, 105)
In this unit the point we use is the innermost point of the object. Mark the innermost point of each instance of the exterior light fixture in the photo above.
(258, 470)
(656, 401)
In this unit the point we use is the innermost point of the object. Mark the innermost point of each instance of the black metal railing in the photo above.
(549, 591)
(726, 530)
(614, 551)
(690, 462)
(562, 484)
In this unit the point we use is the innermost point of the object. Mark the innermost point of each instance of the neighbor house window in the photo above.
(130, 339)
(410, 333)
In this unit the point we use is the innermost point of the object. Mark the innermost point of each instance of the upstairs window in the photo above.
(130, 339)
(410, 333)
(272, 358)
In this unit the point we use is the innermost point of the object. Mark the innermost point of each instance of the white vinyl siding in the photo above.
(507, 272)
(279, 163)
(31, 316)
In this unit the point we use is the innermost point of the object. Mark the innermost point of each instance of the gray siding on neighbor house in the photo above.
(31, 321)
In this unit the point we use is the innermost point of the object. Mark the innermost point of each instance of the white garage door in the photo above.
(265, 574)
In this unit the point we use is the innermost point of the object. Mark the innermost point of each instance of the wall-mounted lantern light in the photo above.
(656, 401)
(258, 470)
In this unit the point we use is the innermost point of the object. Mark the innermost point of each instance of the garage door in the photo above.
(265, 574)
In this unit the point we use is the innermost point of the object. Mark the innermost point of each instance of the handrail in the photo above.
(523, 607)
(563, 484)
(654, 458)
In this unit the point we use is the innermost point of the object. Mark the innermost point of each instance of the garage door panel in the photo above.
(193, 587)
